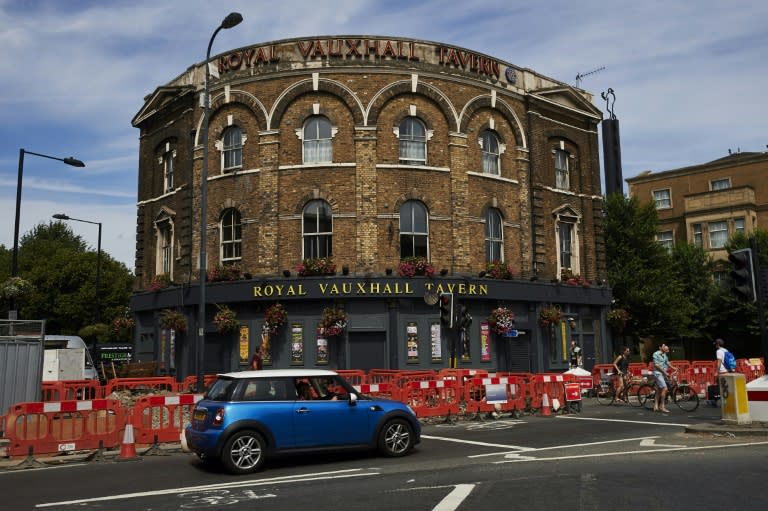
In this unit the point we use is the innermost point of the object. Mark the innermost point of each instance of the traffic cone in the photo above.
(128, 447)
(546, 408)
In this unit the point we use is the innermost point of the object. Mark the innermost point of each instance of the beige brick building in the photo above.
(370, 150)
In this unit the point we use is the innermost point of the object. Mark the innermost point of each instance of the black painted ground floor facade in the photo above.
(389, 324)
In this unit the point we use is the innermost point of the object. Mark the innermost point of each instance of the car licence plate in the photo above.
(199, 414)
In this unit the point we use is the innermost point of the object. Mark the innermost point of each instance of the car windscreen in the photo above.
(221, 390)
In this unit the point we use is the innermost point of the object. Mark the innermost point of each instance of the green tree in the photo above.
(642, 274)
(62, 269)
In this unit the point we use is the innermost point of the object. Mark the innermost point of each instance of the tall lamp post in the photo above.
(232, 19)
(62, 216)
(15, 258)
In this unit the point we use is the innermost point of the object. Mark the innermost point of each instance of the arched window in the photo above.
(414, 232)
(413, 141)
(489, 145)
(317, 227)
(494, 236)
(317, 139)
(232, 149)
(231, 235)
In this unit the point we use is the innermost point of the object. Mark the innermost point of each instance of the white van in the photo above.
(54, 345)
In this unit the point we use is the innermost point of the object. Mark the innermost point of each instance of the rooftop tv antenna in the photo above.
(580, 76)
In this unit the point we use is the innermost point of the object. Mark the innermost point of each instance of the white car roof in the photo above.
(272, 373)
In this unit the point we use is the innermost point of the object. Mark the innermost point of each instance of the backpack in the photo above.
(729, 361)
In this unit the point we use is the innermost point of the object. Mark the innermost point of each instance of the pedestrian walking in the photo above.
(661, 367)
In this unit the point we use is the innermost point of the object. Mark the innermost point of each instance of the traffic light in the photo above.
(743, 274)
(446, 310)
(465, 318)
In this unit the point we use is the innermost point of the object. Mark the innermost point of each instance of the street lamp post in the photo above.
(15, 257)
(232, 19)
(61, 216)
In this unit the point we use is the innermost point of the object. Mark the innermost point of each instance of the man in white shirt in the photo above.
(721, 369)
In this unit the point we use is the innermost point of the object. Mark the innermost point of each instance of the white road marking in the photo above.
(650, 442)
(473, 442)
(340, 474)
(564, 446)
(571, 417)
(454, 499)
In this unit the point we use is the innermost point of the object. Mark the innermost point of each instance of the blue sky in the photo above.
(690, 79)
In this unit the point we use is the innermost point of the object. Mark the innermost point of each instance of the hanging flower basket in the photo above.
(334, 321)
(274, 317)
(617, 318)
(226, 319)
(550, 316)
(499, 270)
(123, 324)
(173, 320)
(321, 266)
(159, 282)
(415, 266)
(15, 287)
(502, 320)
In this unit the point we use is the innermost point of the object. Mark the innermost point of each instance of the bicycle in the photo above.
(686, 398)
(606, 390)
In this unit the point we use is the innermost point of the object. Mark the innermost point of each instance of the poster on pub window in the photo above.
(485, 343)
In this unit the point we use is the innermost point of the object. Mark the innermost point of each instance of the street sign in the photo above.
(512, 333)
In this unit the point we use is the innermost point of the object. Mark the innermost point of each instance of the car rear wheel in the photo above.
(396, 438)
(244, 452)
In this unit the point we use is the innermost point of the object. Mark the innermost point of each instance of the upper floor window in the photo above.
(562, 180)
(164, 247)
(414, 233)
(168, 162)
(232, 149)
(698, 237)
(317, 137)
(489, 146)
(718, 234)
(662, 198)
(413, 141)
(720, 184)
(317, 229)
(494, 236)
(666, 240)
(231, 235)
(738, 225)
(567, 242)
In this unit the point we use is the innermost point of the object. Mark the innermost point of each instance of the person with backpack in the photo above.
(726, 363)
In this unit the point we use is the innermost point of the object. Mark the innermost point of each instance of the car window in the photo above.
(221, 390)
(329, 387)
(263, 389)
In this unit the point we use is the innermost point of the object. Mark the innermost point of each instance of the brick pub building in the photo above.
(369, 151)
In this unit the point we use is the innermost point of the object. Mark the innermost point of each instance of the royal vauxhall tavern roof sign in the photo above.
(346, 50)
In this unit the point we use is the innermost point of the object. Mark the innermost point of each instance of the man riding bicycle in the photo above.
(661, 367)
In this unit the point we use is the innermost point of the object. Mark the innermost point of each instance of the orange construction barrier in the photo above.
(430, 398)
(475, 395)
(701, 374)
(190, 383)
(385, 390)
(62, 426)
(353, 376)
(160, 419)
(600, 373)
(751, 368)
(550, 385)
(151, 384)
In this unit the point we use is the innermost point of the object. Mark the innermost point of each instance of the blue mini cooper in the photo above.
(247, 417)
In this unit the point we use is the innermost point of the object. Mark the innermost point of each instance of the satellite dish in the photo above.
(430, 297)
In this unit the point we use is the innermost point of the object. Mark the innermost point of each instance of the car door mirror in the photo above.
(352, 399)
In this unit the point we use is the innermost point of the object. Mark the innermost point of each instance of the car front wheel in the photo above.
(396, 438)
(244, 452)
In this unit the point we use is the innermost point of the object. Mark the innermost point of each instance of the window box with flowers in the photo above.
(502, 320)
(334, 321)
(226, 319)
(321, 266)
(225, 272)
(173, 320)
(550, 316)
(160, 282)
(15, 288)
(617, 318)
(499, 270)
(274, 317)
(415, 266)
(569, 278)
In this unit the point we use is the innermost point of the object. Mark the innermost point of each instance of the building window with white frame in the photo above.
(738, 225)
(666, 240)
(232, 149)
(414, 230)
(494, 236)
(413, 141)
(164, 251)
(168, 164)
(720, 184)
(698, 236)
(567, 241)
(317, 140)
(662, 198)
(231, 235)
(718, 234)
(317, 229)
(489, 146)
(562, 179)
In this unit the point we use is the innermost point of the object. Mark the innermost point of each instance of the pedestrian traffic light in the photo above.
(743, 274)
(446, 310)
